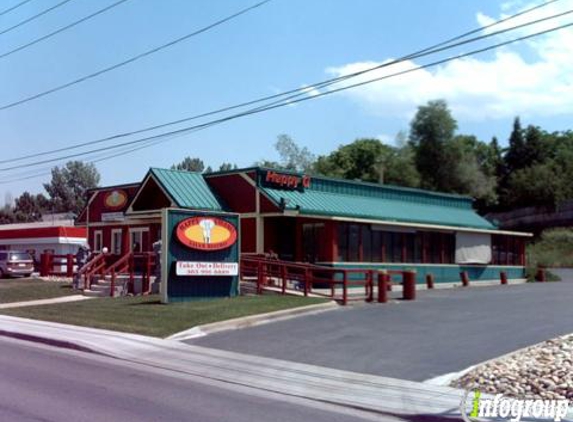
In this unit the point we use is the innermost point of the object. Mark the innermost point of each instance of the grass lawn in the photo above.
(146, 315)
(22, 289)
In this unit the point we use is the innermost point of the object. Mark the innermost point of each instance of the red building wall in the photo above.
(237, 192)
(97, 207)
(248, 235)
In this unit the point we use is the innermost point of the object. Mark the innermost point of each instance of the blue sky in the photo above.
(284, 44)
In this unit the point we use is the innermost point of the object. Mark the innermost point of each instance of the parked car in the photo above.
(13, 263)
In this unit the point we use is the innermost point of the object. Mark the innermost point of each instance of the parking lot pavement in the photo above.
(443, 331)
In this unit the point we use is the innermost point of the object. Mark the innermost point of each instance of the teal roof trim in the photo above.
(324, 203)
(187, 189)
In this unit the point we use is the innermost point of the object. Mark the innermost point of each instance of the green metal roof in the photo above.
(356, 204)
(187, 189)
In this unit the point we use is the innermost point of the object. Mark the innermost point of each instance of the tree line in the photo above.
(66, 192)
(534, 169)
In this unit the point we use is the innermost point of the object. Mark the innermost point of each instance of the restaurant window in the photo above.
(116, 241)
(342, 241)
(367, 244)
(377, 246)
(393, 246)
(508, 250)
(418, 247)
(353, 242)
(98, 240)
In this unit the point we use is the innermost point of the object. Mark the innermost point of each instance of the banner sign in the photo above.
(112, 216)
(207, 268)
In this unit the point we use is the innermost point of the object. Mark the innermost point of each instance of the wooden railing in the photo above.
(130, 264)
(325, 281)
(319, 280)
(96, 265)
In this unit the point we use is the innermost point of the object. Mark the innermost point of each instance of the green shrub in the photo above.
(553, 249)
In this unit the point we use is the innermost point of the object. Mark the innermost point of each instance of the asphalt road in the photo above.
(40, 383)
(443, 331)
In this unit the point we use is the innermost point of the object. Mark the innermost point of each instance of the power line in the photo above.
(134, 58)
(282, 104)
(42, 13)
(64, 28)
(440, 47)
(3, 12)
(102, 157)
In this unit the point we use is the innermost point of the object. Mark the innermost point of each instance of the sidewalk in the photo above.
(362, 391)
(63, 299)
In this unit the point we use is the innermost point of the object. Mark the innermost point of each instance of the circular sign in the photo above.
(115, 199)
(206, 233)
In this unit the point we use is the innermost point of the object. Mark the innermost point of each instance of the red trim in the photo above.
(56, 231)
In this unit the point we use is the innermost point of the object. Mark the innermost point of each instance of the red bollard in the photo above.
(382, 287)
(430, 281)
(503, 277)
(370, 286)
(44, 264)
(409, 285)
(540, 275)
(465, 278)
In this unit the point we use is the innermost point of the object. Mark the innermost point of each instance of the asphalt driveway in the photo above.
(443, 331)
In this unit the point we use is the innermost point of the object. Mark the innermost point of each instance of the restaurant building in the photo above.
(333, 222)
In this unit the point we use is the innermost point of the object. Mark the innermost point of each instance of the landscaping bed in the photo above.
(148, 316)
(24, 289)
(543, 371)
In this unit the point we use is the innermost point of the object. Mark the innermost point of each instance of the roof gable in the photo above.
(163, 188)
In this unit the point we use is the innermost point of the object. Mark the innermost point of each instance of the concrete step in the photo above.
(94, 293)
(103, 291)
(100, 288)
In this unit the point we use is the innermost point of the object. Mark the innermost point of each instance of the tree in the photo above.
(431, 130)
(28, 207)
(190, 164)
(516, 155)
(372, 161)
(227, 167)
(473, 171)
(293, 157)
(7, 214)
(69, 185)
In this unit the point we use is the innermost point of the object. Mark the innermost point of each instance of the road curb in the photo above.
(252, 321)
(445, 379)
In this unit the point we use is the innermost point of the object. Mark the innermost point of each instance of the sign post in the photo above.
(200, 255)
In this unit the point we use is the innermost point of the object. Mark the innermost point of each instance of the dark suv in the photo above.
(16, 263)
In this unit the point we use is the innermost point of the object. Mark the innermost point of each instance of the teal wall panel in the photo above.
(445, 273)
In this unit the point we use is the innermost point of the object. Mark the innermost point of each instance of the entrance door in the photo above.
(312, 241)
(139, 239)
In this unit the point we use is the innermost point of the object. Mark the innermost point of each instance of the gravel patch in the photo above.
(543, 371)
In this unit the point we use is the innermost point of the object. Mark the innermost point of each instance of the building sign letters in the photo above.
(290, 181)
(190, 268)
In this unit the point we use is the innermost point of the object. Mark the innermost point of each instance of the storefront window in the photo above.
(367, 244)
(353, 243)
(508, 250)
(342, 242)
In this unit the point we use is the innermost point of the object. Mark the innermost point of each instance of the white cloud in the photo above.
(529, 79)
